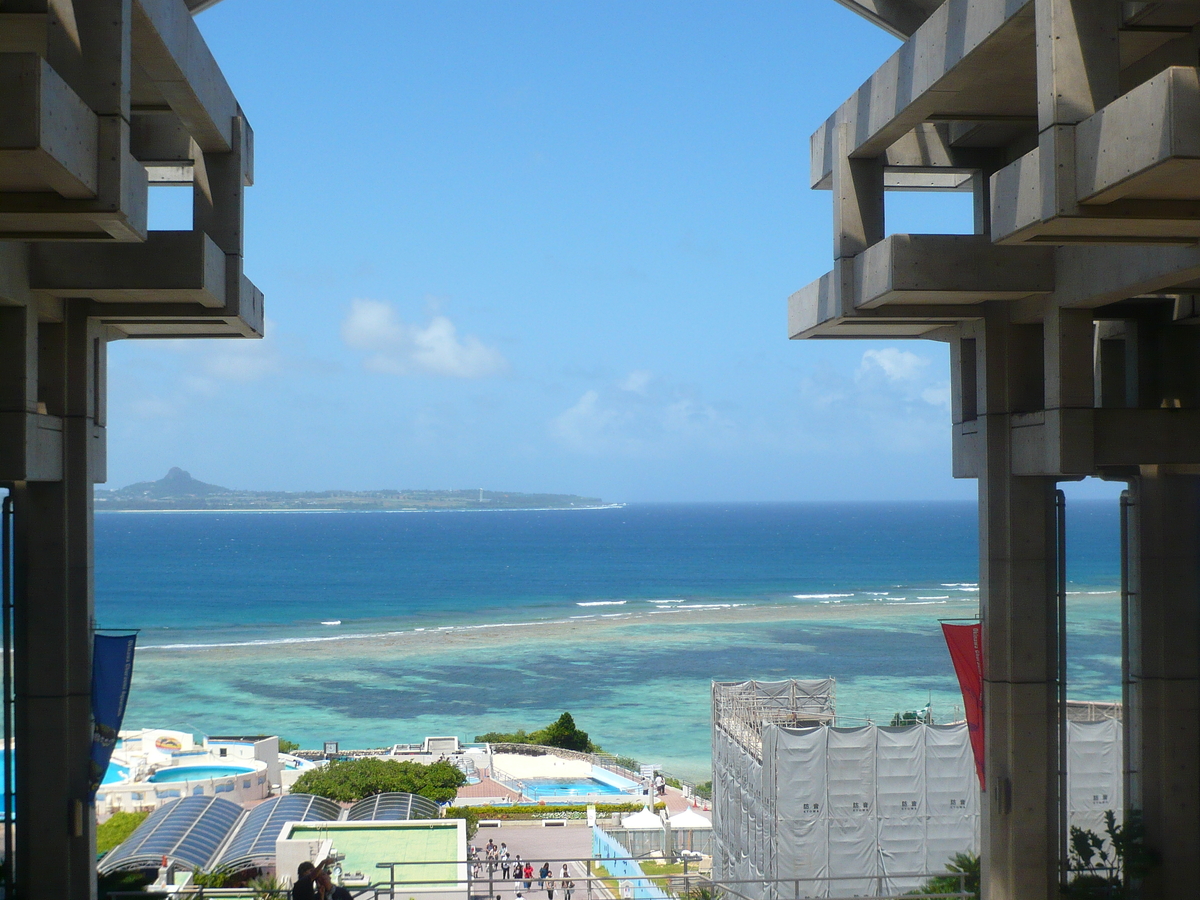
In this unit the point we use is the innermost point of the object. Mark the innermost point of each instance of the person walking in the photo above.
(528, 876)
(543, 874)
(505, 863)
(568, 887)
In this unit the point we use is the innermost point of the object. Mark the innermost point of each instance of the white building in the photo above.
(823, 811)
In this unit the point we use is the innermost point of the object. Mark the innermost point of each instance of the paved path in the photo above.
(538, 844)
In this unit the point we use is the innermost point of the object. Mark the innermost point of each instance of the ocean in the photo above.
(374, 628)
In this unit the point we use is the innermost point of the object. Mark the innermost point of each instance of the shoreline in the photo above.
(599, 626)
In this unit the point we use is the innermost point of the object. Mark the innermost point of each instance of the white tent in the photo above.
(689, 818)
(644, 820)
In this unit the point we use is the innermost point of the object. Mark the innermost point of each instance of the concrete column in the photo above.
(1018, 578)
(857, 212)
(1162, 695)
(1078, 72)
(55, 830)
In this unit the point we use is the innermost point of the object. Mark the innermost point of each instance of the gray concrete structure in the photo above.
(99, 101)
(1071, 315)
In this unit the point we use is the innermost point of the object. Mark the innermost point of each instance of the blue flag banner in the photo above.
(112, 672)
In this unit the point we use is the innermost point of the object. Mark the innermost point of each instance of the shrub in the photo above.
(120, 826)
(704, 790)
(563, 811)
(965, 863)
(351, 780)
(469, 814)
(559, 733)
(288, 746)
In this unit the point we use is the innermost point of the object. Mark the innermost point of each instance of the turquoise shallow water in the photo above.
(465, 623)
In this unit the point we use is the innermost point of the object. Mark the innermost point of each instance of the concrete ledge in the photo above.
(169, 47)
(48, 135)
(949, 268)
(1143, 145)
(956, 54)
(170, 267)
(811, 306)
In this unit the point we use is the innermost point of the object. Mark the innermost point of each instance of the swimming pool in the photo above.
(543, 788)
(196, 773)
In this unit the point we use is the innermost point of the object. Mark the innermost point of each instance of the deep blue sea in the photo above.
(376, 628)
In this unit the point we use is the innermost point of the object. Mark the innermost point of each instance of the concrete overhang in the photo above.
(170, 266)
(816, 311)
(169, 48)
(948, 269)
(968, 61)
(48, 135)
(899, 18)
(1136, 167)
(176, 284)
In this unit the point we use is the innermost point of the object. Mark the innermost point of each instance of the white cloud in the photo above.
(896, 365)
(938, 395)
(629, 418)
(398, 348)
(637, 381)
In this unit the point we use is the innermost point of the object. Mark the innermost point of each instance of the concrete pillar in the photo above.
(1078, 72)
(1018, 581)
(55, 825)
(1162, 694)
(857, 212)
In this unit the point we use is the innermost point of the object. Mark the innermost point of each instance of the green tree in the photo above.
(288, 746)
(560, 733)
(563, 733)
(350, 780)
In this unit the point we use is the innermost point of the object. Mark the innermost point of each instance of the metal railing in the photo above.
(592, 881)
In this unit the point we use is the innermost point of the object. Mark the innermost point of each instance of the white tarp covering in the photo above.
(645, 818)
(689, 818)
(866, 806)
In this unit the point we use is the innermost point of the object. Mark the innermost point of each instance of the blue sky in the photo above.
(540, 246)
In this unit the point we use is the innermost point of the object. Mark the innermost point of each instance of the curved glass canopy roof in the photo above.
(392, 806)
(253, 843)
(187, 831)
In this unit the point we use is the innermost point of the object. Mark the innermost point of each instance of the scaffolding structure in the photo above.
(742, 708)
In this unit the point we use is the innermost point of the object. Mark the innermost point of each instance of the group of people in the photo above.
(494, 860)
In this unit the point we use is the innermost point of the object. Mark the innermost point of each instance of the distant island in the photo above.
(180, 491)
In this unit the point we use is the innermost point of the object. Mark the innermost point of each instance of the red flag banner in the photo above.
(966, 651)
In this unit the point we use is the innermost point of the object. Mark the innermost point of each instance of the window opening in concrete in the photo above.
(170, 207)
(929, 212)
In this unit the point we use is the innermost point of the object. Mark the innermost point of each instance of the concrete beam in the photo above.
(1127, 173)
(1018, 211)
(170, 267)
(170, 49)
(241, 316)
(48, 136)
(1133, 437)
(949, 269)
(1144, 145)
(118, 212)
(1091, 276)
(899, 18)
(969, 59)
(814, 311)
